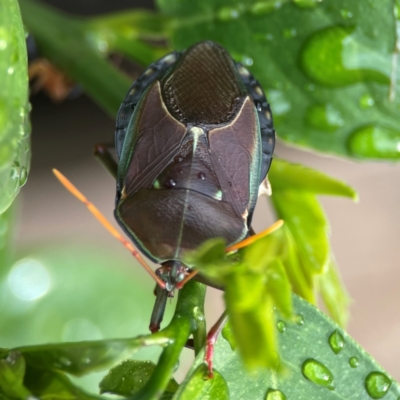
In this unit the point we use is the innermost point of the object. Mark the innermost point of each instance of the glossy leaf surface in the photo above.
(346, 374)
(129, 377)
(14, 106)
(329, 67)
(199, 387)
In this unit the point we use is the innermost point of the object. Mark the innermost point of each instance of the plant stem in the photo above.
(66, 42)
(184, 323)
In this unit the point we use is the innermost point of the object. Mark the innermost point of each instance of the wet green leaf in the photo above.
(129, 377)
(278, 286)
(328, 67)
(287, 176)
(14, 106)
(199, 387)
(307, 223)
(12, 370)
(83, 357)
(52, 385)
(334, 294)
(297, 344)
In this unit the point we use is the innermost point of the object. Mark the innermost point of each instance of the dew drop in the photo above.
(264, 7)
(336, 342)
(281, 326)
(366, 101)
(228, 14)
(299, 319)
(281, 104)
(306, 3)
(377, 384)
(335, 57)
(23, 176)
(324, 117)
(170, 183)
(201, 176)
(289, 33)
(246, 60)
(346, 14)
(317, 373)
(375, 142)
(10, 70)
(274, 394)
(353, 361)
(65, 361)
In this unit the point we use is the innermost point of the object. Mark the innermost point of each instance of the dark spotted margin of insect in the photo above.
(194, 138)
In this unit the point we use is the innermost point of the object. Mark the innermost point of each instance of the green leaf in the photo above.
(278, 286)
(14, 106)
(306, 340)
(287, 176)
(83, 357)
(52, 385)
(78, 53)
(12, 370)
(327, 66)
(199, 387)
(334, 294)
(129, 377)
(307, 223)
(6, 223)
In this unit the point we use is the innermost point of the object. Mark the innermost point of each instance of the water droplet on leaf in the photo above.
(377, 384)
(336, 342)
(353, 362)
(346, 14)
(228, 14)
(306, 3)
(366, 101)
(299, 319)
(375, 142)
(289, 33)
(324, 117)
(23, 176)
(318, 373)
(281, 326)
(264, 7)
(335, 57)
(274, 394)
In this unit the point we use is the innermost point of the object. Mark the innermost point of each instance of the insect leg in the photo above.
(102, 153)
(103, 220)
(212, 337)
(158, 309)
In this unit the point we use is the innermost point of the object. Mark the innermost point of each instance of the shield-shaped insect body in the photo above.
(194, 140)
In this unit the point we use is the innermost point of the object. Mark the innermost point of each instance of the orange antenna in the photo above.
(103, 220)
(237, 246)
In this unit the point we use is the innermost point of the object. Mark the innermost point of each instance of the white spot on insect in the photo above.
(218, 195)
(265, 188)
(196, 131)
(258, 90)
(243, 71)
(169, 59)
(148, 72)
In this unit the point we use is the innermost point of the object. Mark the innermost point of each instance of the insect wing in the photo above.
(153, 138)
